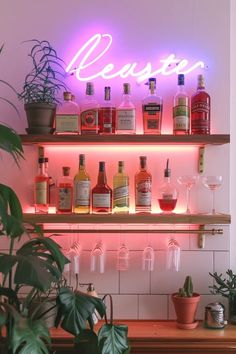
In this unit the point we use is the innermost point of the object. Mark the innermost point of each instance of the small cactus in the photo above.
(187, 289)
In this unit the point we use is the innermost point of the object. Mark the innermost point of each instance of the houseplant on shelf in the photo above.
(41, 87)
(227, 288)
(185, 304)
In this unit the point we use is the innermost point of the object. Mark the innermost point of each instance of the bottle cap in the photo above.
(121, 163)
(143, 160)
(67, 95)
(66, 170)
(89, 88)
(81, 158)
(167, 171)
(152, 79)
(101, 166)
(181, 79)
(126, 87)
(107, 90)
(200, 81)
(41, 160)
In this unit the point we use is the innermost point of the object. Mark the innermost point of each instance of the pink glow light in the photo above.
(98, 45)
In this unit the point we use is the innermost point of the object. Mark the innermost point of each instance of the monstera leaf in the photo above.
(75, 309)
(113, 339)
(30, 337)
(9, 139)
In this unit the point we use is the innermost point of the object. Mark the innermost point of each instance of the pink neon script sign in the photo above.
(85, 59)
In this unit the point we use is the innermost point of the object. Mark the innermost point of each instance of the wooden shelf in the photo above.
(198, 219)
(165, 139)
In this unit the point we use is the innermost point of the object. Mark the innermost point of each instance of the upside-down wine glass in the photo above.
(212, 183)
(188, 181)
(97, 258)
(173, 255)
(122, 257)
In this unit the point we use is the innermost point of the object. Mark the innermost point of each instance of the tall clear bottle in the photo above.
(152, 110)
(65, 192)
(143, 187)
(107, 114)
(200, 109)
(181, 110)
(167, 194)
(125, 113)
(82, 188)
(121, 190)
(89, 112)
(102, 193)
(67, 116)
(41, 189)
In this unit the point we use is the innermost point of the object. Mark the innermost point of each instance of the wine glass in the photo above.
(148, 258)
(212, 182)
(188, 181)
(173, 255)
(122, 257)
(97, 258)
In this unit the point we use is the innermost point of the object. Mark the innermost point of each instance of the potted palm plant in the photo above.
(185, 304)
(41, 87)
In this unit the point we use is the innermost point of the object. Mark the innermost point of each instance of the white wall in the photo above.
(142, 31)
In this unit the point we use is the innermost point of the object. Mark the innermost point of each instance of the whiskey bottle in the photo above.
(125, 113)
(82, 186)
(41, 188)
(167, 194)
(121, 190)
(67, 116)
(107, 114)
(65, 192)
(181, 110)
(152, 110)
(200, 109)
(89, 112)
(143, 188)
(102, 193)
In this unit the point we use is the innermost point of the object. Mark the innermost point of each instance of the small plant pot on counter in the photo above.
(185, 309)
(40, 117)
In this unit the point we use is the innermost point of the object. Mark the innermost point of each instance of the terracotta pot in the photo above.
(40, 117)
(185, 308)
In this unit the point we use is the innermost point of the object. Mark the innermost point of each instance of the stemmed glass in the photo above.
(148, 259)
(212, 183)
(188, 181)
(97, 258)
(173, 255)
(122, 257)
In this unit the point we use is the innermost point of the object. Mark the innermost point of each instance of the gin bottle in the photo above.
(121, 190)
(125, 113)
(181, 110)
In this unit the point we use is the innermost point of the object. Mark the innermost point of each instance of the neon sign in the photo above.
(98, 46)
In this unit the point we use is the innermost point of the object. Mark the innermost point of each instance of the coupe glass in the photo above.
(188, 181)
(97, 258)
(122, 257)
(173, 255)
(148, 259)
(212, 183)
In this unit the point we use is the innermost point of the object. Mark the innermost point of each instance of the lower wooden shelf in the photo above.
(163, 337)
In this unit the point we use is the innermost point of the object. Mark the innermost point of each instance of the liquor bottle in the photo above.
(167, 194)
(102, 193)
(41, 189)
(200, 109)
(107, 114)
(152, 110)
(89, 112)
(65, 192)
(181, 110)
(125, 113)
(143, 188)
(67, 116)
(121, 190)
(51, 183)
(82, 187)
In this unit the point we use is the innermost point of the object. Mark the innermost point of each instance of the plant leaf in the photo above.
(112, 339)
(86, 342)
(30, 337)
(10, 142)
(75, 308)
(7, 261)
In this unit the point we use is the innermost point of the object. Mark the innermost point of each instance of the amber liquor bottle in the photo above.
(89, 112)
(102, 193)
(65, 192)
(152, 110)
(107, 114)
(121, 190)
(41, 189)
(143, 188)
(200, 109)
(82, 187)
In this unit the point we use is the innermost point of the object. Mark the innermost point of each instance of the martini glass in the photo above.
(212, 183)
(188, 181)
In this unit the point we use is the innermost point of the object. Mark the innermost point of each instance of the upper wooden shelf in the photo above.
(198, 219)
(213, 139)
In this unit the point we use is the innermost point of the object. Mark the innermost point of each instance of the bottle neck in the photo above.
(152, 88)
(121, 169)
(41, 168)
(102, 179)
(81, 163)
(143, 165)
(181, 88)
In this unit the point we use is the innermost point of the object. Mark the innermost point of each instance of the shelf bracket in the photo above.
(201, 159)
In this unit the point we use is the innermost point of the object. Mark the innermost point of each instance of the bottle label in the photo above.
(67, 123)
(181, 117)
(41, 191)
(89, 120)
(125, 119)
(65, 198)
(152, 115)
(102, 200)
(107, 119)
(121, 195)
(200, 106)
(144, 193)
(82, 193)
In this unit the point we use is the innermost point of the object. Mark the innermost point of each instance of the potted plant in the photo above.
(41, 87)
(226, 286)
(185, 304)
